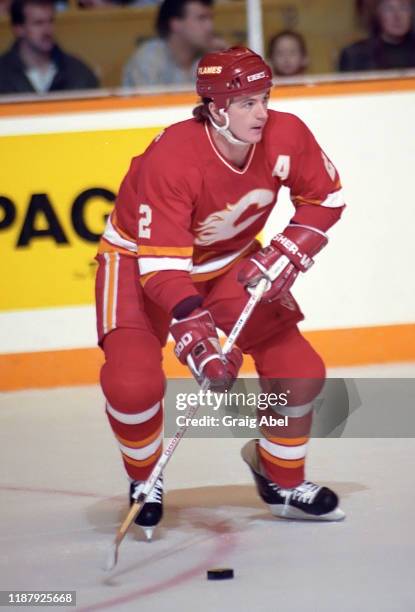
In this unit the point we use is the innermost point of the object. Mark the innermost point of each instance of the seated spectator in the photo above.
(96, 4)
(185, 30)
(364, 10)
(104, 4)
(287, 53)
(391, 44)
(4, 8)
(35, 63)
(60, 5)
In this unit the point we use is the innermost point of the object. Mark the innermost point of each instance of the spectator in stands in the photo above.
(104, 4)
(4, 8)
(35, 63)
(98, 4)
(392, 40)
(185, 30)
(287, 54)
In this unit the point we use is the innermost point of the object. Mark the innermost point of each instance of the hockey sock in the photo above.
(139, 437)
(290, 367)
(283, 448)
(133, 384)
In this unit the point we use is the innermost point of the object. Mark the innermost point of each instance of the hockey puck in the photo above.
(220, 573)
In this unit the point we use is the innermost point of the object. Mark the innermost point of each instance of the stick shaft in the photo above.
(245, 314)
(256, 296)
(191, 411)
(155, 474)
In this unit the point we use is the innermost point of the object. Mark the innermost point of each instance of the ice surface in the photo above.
(63, 494)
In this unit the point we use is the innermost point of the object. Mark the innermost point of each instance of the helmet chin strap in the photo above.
(224, 129)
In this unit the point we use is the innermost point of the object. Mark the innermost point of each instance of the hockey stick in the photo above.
(112, 557)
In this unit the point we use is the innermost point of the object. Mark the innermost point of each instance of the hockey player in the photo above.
(179, 253)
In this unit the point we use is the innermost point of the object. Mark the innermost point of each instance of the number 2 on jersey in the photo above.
(144, 222)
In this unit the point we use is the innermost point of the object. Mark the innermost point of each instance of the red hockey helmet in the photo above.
(233, 72)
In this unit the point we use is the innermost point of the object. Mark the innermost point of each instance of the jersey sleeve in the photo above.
(164, 238)
(166, 190)
(313, 180)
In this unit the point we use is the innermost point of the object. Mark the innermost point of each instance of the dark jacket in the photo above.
(71, 73)
(376, 54)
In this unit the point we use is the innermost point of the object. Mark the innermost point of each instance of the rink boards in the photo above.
(62, 164)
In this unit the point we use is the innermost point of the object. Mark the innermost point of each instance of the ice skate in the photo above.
(307, 501)
(152, 511)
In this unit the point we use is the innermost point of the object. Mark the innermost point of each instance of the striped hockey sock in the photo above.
(140, 438)
(283, 449)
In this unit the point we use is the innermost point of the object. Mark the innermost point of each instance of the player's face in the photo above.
(395, 17)
(248, 116)
(38, 28)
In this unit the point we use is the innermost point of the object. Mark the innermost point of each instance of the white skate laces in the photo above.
(305, 493)
(307, 501)
(155, 495)
(151, 512)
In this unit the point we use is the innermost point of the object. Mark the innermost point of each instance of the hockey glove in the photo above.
(197, 345)
(288, 254)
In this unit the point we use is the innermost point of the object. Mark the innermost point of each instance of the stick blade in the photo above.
(112, 557)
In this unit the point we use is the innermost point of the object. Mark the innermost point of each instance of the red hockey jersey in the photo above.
(182, 206)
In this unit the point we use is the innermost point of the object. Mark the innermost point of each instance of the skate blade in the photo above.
(296, 514)
(148, 532)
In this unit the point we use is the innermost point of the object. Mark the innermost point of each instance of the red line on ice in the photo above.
(227, 543)
(48, 491)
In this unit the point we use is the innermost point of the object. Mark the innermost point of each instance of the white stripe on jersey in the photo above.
(155, 264)
(114, 237)
(334, 200)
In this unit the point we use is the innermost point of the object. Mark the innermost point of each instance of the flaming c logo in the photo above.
(224, 224)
